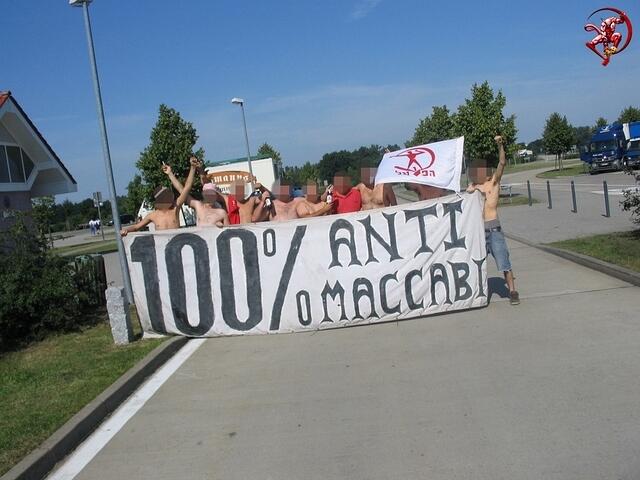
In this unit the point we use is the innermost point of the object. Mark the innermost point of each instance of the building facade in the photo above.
(29, 167)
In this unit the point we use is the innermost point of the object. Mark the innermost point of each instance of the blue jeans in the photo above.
(497, 246)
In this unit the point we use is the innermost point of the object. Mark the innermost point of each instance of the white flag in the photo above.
(438, 164)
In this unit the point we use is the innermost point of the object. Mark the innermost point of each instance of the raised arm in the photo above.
(187, 186)
(502, 159)
(174, 180)
(200, 170)
(138, 226)
(260, 212)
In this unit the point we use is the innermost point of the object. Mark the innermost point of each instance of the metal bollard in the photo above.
(573, 197)
(549, 195)
(607, 210)
(529, 192)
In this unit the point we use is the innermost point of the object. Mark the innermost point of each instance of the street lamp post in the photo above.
(105, 148)
(240, 101)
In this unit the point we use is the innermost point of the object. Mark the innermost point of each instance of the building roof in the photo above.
(5, 97)
(218, 163)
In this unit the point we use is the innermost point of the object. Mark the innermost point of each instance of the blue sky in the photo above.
(316, 76)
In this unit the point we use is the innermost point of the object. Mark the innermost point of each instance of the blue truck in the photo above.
(613, 147)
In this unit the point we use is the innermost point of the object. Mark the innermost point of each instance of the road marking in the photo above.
(617, 191)
(79, 459)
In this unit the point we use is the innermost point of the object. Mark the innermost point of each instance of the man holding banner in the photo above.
(489, 185)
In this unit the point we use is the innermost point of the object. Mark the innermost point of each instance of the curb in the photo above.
(601, 266)
(63, 441)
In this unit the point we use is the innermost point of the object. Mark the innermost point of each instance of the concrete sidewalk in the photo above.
(547, 389)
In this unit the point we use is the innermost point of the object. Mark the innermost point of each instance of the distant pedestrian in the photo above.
(92, 227)
(488, 183)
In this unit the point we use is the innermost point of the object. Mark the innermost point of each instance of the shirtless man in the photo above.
(239, 209)
(310, 206)
(489, 185)
(377, 196)
(207, 214)
(167, 207)
(276, 207)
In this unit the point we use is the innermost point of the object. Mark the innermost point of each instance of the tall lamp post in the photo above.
(240, 101)
(105, 148)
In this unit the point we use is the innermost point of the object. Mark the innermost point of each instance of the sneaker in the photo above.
(515, 298)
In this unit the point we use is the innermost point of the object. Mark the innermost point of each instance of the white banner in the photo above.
(398, 262)
(438, 164)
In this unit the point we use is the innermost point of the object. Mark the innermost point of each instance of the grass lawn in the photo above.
(570, 171)
(45, 384)
(521, 167)
(621, 248)
(106, 246)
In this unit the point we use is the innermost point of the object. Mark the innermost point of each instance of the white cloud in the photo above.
(363, 8)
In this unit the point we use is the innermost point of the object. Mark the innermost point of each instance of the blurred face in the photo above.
(282, 192)
(237, 189)
(368, 176)
(342, 184)
(480, 173)
(311, 192)
(164, 199)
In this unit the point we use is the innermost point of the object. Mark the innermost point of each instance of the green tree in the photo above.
(582, 135)
(43, 213)
(629, 114)
(267, 150)
(135, 196)
(480, 119)
(601, 122)
(558, 136)
(433, 128)
(172, 141)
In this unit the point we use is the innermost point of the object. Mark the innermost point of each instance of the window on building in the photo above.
(15, 164)
(4, 166)
(28, 164)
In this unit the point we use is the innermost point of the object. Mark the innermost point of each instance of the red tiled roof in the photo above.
(4, 96)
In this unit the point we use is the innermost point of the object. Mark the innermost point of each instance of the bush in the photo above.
(37, 290)
(631, 202)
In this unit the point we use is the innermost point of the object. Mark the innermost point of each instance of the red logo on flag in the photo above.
(414, 157)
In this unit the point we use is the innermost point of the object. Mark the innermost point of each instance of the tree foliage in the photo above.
(629, 114)
(172, 141)
(43, 214)
(601, 122)
(37, 290)
(267, 150)
(135, 196)
(480, 118)
(582, 135)
(558, 136)
(433, 128)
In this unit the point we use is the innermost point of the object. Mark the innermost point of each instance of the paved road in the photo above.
(545, 390)
(540, 224)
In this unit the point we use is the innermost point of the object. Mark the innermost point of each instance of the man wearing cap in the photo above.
(207, 214)
(167, 207)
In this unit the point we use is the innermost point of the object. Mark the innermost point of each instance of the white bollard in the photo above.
(119, 318)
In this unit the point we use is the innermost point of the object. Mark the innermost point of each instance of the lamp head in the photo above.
(237, 101)
(79, 3)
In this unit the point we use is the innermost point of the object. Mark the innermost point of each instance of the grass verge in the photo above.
(570, 171)
(521, 167)
(45, 384)
(621, 248)
(106, 246)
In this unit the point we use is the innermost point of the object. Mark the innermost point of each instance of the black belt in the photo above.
(493, 229)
